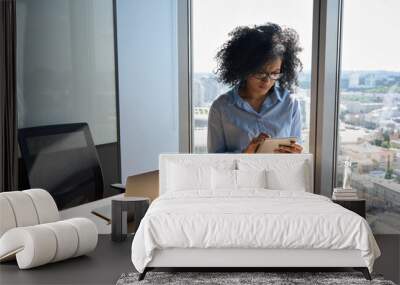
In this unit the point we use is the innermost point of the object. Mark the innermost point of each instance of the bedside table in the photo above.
(127, 212)
(356, 205)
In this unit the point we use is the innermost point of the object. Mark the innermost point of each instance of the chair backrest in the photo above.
(26, 208)
(63, 160)
(236, 161)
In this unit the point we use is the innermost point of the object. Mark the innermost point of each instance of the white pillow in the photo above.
(189, 173)
(188, 177)
(223, 179)
(284, 171)
(251, 178)
(294, 178)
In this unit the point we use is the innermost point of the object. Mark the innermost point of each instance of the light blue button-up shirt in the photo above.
(233, 123)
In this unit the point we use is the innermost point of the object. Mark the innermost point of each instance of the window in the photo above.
(65, 73)
(212, 21)
(65, 65)
(369, 108)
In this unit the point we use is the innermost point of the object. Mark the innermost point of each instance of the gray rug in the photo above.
(228, 278)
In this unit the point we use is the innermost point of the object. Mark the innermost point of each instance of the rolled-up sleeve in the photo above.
(215, 135)
(295, 130)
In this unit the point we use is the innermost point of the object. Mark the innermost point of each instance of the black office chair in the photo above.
(63, 160)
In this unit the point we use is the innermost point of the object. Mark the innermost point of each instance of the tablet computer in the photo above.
(270, 144)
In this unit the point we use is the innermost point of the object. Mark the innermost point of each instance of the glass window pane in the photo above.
(369, 112)
(212, 21)
(65, 65)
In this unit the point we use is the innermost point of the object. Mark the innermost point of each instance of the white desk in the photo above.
(85, 211)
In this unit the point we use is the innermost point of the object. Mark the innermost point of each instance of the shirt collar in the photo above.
(240, 102)
(277, 92)
(235, 95)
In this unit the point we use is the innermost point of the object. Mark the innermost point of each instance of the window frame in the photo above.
(326, 62)
(184, 20)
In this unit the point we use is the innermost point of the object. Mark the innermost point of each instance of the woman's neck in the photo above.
(249, 95)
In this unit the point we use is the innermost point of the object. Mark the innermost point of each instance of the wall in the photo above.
(148, 84)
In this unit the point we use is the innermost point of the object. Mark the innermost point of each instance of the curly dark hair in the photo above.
(249, 48)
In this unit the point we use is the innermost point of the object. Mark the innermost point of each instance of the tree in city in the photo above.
(389, 173)
(385, 144)
(386, 136)
(389, 170)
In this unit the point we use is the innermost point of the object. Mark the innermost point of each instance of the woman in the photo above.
(261, 64)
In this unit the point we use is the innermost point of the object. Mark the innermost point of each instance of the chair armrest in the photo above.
(37, 245)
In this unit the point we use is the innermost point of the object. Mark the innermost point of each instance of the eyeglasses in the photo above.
(264, 76)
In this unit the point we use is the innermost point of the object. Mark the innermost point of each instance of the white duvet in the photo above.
(252, 218)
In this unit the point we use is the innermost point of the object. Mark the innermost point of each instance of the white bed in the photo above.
(202, 220)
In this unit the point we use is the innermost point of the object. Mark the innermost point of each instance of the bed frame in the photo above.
(249, 259)
(246, 259)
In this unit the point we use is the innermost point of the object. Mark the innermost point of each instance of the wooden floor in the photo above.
(103, 266)
(110, 259)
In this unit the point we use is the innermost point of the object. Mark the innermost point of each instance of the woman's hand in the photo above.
(292, 148)
(255, 143)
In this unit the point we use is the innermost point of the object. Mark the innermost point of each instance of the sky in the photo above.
(371, 29)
